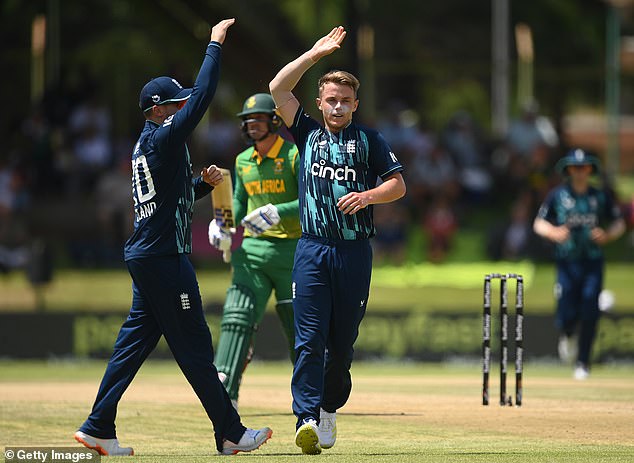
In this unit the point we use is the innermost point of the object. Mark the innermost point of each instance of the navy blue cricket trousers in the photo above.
(579, 285)
(331, 284)
(166, 301)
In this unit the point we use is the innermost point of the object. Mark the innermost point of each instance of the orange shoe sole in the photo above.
(100, 450)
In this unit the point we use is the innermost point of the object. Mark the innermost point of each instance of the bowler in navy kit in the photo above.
(341, 165)
(166, 299)
(579, 219)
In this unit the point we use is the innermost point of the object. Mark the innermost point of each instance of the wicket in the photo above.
(519, 337)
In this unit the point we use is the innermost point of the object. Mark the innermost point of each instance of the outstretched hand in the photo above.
(329, 43)
(219, 31)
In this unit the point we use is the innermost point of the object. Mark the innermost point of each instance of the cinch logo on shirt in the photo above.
(321, 170)
(580, 220)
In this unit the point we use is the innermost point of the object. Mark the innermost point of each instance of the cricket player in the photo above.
(166, 299)
(340, 164)
(265, 201)
(579, 219)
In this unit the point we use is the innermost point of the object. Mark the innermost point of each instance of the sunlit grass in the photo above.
(398, 412)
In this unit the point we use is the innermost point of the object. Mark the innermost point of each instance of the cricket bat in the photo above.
(222, 202)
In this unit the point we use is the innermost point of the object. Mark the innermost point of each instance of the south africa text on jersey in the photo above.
(144, 211)
(257, 187)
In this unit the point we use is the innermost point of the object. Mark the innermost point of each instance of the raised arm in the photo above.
(219, 31)
(285, 81)
(186, 119)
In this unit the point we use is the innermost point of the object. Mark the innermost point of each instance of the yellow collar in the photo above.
(273, 152)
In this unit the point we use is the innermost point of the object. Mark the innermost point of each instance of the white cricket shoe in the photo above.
(251, 439)
(567, 348)
(307, 437)
(106, 447)
(581, 372)
(327, 428)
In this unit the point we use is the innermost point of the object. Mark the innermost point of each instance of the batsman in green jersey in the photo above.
(265, 203)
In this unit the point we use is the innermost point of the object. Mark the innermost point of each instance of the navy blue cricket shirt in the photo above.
(333, 165)
(163, 186)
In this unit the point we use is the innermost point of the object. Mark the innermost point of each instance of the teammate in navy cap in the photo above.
(579, 219)
(161, 91)
(340, 164)
(166, 300)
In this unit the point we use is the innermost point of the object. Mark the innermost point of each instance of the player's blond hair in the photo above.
(341, 78)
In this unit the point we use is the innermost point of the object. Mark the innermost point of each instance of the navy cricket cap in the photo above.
(162, 90)
(577, 157)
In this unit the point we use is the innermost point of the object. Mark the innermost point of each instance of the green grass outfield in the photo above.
(397, 413)
(423, 287)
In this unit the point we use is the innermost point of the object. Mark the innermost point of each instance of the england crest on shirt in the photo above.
(351, 147)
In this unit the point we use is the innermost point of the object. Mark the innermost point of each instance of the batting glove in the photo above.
(219, 238)
(261, 219)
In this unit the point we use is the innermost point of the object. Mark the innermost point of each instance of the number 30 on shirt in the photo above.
(142, 183)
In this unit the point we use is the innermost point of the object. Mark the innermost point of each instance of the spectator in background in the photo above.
(390, 243)
(539, 179)
(407, 135)
(463, 140)
(114, 209)
(13, 193)
(529, 131)
(628, 214)
(89, 130)
(13, 200)
(399, 127)
(440, 225)
(7, 196)
(432, 172)
(513, 238)
(525, 158)
(218, 140)
(36, 141)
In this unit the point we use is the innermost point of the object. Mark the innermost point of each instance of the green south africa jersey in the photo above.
(272, 179)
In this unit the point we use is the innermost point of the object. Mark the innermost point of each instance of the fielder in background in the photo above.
(265, 201)
(579, 219)
(166, 299)
(341, 163)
